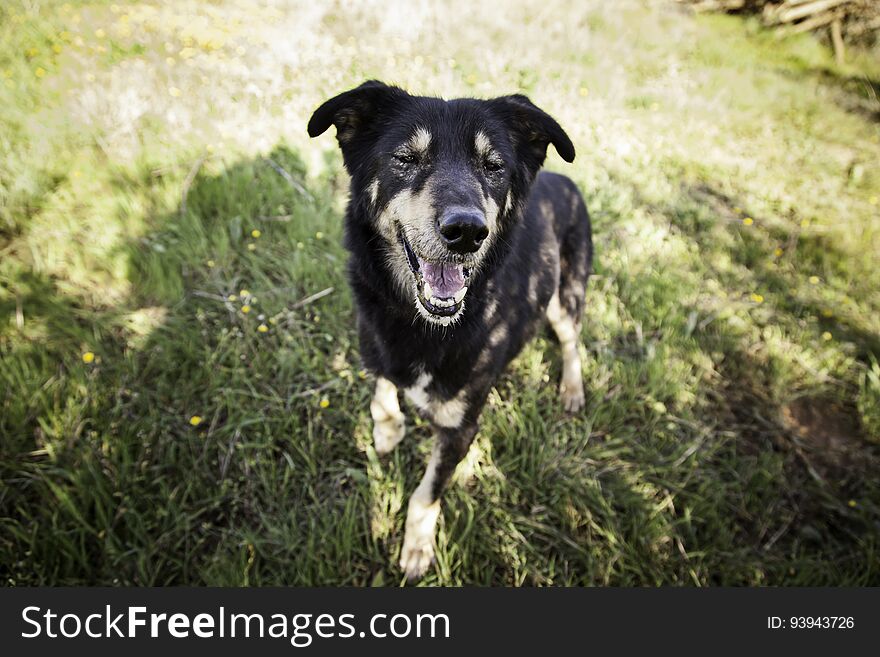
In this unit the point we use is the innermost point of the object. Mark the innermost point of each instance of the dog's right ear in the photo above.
(355, 112)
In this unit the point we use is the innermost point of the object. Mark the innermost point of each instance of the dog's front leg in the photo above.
(450, 447)
(388, 422)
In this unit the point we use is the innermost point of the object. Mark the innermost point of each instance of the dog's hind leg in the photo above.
(571, 387)
(388, 422)
(567, 305)
(451, 446)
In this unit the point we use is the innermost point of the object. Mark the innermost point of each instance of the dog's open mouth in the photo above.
(440, 286)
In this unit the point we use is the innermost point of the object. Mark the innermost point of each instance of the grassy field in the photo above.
(176, 406)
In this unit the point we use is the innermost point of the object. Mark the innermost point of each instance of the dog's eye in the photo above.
(405, 157)
(493, 166)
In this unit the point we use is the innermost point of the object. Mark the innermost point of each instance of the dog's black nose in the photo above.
(463, 230)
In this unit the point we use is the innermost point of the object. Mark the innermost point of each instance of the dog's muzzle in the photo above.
(440, 286)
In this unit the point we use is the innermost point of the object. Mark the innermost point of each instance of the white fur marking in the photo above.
(571, 387)
(420, 141)
(417, 394)
(373, 190)
(449, 414)
(417, 552)
(388, 422)
(508, 203)
(491, 214)
(482, 144)
(410, 211)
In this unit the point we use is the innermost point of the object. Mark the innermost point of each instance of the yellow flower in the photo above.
(748, 221)
(252, 247)
(300, 245)
(232, 297)
(245, 309)
(827, 313)
(584, 92)
(262, 328)
(324, 403)
(56, 49)
(195, 420)
(255, 233)
(777, 252)
(174, 91)
(319, 235)
(814, 280)
(88, 357)
(362, 374)
(100, 34)
(826, 336)
(40, 72)
(757, 298)
(211, 263)
(804, 223)
(852, 504)
(245, 292)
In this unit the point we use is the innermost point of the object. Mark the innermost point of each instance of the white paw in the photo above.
(417, 553)
(572, 396)
(387, 434)
(416, 556)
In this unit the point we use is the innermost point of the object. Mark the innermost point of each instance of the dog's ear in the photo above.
(532, 128)
(355, 112)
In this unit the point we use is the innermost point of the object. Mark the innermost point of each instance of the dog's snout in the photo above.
(463, 231)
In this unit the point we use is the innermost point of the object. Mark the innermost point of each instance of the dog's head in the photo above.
(440, 181)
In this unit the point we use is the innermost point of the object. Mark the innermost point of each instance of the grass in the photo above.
(154, 434)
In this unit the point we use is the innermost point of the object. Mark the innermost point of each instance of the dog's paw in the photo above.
(416, 557)
(387, 434)
(573, 398)
(417, 553)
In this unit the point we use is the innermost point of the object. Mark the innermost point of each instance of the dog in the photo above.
(459, 250)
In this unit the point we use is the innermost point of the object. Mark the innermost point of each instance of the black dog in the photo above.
(459, 250)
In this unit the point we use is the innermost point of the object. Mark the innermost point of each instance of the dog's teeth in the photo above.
(459, 295)
(426, 290)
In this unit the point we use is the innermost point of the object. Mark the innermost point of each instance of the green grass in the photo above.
(732, 331)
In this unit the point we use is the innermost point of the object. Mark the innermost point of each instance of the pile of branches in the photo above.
(846, 20)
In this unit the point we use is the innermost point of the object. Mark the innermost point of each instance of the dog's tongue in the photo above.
(445, 279)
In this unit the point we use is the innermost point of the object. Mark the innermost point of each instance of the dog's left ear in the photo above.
(355, 113)
(533, 128)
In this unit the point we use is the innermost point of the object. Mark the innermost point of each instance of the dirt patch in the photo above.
(829, 431)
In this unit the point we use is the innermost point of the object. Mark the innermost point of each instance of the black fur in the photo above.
(541, 244)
